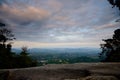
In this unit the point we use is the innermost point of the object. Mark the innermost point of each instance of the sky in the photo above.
(59, 23)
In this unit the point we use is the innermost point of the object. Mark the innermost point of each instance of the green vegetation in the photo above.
(68, 60)
(9, 59)
(63, 58)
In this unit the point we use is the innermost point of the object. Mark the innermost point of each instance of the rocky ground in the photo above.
(79, 71)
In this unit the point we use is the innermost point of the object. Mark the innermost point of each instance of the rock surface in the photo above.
(100, 78)
(79, 71)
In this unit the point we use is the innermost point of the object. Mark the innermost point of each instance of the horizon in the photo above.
(59, 23)
(51, 45)
(57, 47)
(83, 50)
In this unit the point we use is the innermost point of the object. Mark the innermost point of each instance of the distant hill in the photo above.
(55, 51)
(63, 55)
(60, 50)
(16, 50)
(65, 50)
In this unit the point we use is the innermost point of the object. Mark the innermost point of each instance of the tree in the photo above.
(25, 60)
(115, 3)
(5, 34)
(9, 59)
(6, 55)
(24, 51)
(111, 48)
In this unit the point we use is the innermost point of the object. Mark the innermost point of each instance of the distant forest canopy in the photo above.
(9, 59)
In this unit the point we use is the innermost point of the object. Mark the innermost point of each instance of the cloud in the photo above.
(60, 21)
(29, 44)
(54, 5)
(2, 2)
(24, 16)
(108, 26)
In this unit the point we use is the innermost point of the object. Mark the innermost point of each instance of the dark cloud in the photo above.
(2, 2)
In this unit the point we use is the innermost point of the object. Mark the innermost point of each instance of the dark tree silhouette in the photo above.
(6, 55)
(8, 59)
(5, 34)
(24, 51)
(25, 60)
(111, 48)
(115, 3)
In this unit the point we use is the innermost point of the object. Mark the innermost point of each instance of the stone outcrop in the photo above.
(100, 78)
(80, 71)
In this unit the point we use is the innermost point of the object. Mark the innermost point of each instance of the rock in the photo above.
(4, 75)
(100, 78)
(81, 71)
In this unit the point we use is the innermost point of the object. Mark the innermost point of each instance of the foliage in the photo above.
(8, 59)
(24, 60)
(111, 48)
(5, 34)
(115, 3)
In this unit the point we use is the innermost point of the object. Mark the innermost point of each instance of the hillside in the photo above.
(79, 71)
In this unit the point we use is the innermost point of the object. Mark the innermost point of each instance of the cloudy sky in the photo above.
(59, 23)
